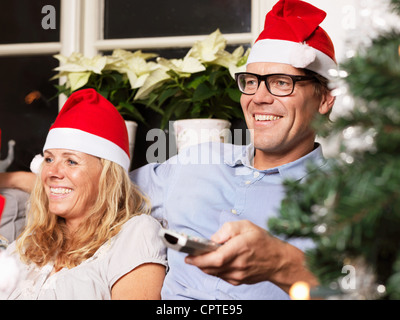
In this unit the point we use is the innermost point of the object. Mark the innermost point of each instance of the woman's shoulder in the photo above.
(137, 242)
(141, 221)
(138, 229)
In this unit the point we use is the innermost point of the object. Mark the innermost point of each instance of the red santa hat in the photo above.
(89, 123)
(292, 35)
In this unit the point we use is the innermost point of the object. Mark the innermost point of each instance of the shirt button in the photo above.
(234, 211)
(248, 182)
(256, 174)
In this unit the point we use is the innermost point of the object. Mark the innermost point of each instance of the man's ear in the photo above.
(327, 102)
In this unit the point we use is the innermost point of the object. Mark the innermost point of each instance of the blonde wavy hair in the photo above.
(46, 239)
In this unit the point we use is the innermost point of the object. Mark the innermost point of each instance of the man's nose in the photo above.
(262, 95)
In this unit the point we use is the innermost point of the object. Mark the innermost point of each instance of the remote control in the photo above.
(186, 243)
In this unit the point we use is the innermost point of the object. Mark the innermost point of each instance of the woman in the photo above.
(88, 234)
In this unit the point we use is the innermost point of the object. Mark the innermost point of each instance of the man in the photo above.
(231, 197)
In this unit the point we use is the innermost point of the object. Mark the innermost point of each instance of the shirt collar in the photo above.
(298, 169)
(241, 156)
(295, 170)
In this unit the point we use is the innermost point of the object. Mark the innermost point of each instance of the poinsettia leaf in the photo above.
(234, 94)
(181, 109)
(129, 109)
(216, 75)
(116, 77)
(78, 79)
(155, 108)
(196, 82)
(196, 109)
(237, 112)
(168, 112)
(104, 92)
(203, 92)
(151, 99)
(167, 94)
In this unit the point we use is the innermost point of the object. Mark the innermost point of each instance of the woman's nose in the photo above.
(55, 169)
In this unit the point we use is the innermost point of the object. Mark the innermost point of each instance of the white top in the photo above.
(137, 243)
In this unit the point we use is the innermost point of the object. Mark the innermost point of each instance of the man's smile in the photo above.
(266, 117)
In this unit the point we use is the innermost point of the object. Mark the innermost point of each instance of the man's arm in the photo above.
(250, 255)
(22, 180)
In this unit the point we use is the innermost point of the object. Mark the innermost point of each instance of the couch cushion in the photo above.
(14, 213)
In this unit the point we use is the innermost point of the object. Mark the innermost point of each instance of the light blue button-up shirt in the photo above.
(203, 187)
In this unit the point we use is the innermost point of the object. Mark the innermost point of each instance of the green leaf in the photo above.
(234, 94)
(156, 108)
(203, 92)
(166, 94)
(104, 92)
(151, 99)
(196, 109)
(129, 110)
(181, 109)
(169, 110)
(214, 76)
(196, 82)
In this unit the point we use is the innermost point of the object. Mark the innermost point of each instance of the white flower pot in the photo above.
(194, 131)
(132, 127)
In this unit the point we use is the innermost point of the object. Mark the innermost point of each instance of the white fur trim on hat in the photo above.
(298, 55)
(82, 141)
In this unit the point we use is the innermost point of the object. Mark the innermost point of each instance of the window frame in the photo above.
(69, 35)
(94, 41)
(82, 31)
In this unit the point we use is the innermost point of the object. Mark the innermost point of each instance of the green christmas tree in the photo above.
(352, 210)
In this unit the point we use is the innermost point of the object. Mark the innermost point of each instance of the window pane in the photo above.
(26, 107)
(21, 21)
(157, 18)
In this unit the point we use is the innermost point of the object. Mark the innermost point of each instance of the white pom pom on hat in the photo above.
(302, 56)
(292, 35)
(36, 163)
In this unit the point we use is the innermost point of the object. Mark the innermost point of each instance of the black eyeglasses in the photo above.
(278, 84)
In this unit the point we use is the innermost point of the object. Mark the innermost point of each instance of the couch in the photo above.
(14, 214)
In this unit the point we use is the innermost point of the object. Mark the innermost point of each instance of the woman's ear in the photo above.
(327, 102)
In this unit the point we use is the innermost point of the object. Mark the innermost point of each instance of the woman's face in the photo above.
(71, 181)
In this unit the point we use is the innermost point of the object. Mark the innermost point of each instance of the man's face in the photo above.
(281, 126)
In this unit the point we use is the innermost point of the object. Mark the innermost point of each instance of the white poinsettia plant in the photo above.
(200, 85)
(117, 77)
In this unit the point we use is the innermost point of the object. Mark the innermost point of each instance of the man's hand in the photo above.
(250, 255)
